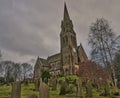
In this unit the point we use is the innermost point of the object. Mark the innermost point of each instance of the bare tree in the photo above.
(117, 66)
(17, 71)
(26, 69)
(104, 45)
(1, 69)
(8, 69)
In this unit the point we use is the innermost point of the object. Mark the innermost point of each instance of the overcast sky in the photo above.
(31, 28)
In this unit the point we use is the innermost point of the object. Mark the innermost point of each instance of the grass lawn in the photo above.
(27, 90)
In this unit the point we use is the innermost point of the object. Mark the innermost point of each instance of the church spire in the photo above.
(66, 23)
(66, 14)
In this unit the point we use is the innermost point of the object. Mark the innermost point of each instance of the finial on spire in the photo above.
(66, 14)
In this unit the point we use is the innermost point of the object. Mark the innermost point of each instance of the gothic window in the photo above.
(68, 26)
(71, 39)
(68, 59)
(65, 59)
(66, 39)
(63, 40)
(67, 23)
(67, 71)
(74, 41)
(62, 26)
(58, 63)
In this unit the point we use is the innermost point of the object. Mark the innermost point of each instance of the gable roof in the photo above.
(80, 47)
(41, 61)
(54, 57)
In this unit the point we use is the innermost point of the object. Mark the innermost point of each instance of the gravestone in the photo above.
(32, 96)
(89, 89)
(54, 84)
(16, 90)
(50, 83)
(63, 88)
(37, 84)
(79, 88)
(71, 89)
(106, 89)
(44, 90)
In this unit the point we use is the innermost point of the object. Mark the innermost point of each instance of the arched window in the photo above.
(67, 71)
(63, 40)
(66, 38)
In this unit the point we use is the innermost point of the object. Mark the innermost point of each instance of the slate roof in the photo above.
(43, 62)
(54, 57)
(81, 47)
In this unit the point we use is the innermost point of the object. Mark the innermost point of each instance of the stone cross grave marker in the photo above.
(16, 90)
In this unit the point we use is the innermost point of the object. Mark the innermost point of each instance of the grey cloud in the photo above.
(27, 31)
(32, 27)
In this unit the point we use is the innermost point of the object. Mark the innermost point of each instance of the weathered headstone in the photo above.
(106, 89)
(67, 80)
(119, 84)
(16, 90)
(89, 89)
(54, 84)
(71, 89)
(63, 88)
(32, 96)
(37, 84)
(44, 90)
(79, 87)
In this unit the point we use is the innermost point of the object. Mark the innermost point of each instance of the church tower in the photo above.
(68, 44)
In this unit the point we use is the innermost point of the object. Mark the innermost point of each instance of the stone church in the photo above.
(68, 60)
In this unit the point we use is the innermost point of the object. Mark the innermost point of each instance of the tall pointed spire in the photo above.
(66, 14)
(66, 23)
